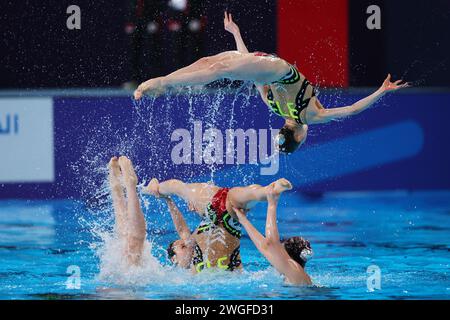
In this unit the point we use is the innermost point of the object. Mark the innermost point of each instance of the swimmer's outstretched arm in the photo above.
(233, 28)
(270, 246)
(327, 115)
(178, 220)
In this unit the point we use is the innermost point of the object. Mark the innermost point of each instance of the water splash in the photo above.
(144, 133)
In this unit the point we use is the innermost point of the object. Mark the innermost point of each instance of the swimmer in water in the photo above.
(130, 224)
(289, 256)
(282, 87)
(216, 242)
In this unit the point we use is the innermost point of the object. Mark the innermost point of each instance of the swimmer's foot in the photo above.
(129, 175)
(153, 87)
(152, 188)
(114, 173)
(281, 185)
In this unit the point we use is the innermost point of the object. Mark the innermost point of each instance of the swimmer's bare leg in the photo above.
(118, 197)
(136, 222)
(244, 197)
(197, 195)
(204, 62)
(246, 67)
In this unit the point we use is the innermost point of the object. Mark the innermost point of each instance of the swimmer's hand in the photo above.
(229, 24)
(272, 195)
(389, 86)
(240, 213)
(152, 188)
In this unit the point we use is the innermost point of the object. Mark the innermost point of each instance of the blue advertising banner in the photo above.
(397, 144)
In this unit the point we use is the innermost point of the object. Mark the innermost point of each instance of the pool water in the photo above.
(63, 250)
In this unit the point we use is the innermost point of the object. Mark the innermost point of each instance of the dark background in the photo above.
(413, 42)
(38, 51)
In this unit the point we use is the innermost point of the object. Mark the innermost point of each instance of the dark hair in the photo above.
(170, 250)
(289, 144)
(298, 249)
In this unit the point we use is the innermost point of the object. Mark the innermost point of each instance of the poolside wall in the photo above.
(58, 147)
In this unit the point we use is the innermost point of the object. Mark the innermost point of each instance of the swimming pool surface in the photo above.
(406, 235)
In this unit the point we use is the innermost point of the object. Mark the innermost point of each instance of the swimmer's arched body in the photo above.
(287, 256)
(216, 242)
(282, 87)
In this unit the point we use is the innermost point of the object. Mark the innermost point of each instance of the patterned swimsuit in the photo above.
(291, 78)
(217, 216)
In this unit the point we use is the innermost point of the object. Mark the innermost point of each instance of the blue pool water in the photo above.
(406, 235)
